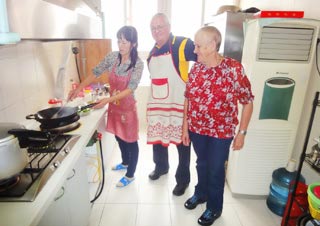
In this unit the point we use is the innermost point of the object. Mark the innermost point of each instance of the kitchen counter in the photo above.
(29, 213)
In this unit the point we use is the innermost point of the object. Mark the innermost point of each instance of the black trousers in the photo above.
(129, 155)
(161, 160)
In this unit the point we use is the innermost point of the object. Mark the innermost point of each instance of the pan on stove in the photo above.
(54, 115)
(58, 115)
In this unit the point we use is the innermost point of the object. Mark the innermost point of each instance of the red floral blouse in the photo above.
(213, 94)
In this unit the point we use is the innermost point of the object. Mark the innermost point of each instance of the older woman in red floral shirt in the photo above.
(216, 85)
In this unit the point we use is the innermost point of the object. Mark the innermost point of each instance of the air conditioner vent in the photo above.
(285, 44)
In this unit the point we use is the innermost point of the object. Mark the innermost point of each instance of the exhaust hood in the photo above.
(54, 20)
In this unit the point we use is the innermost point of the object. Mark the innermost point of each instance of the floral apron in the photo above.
(166, 102)
(122, 114)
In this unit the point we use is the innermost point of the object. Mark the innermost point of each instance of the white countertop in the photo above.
(29, 213)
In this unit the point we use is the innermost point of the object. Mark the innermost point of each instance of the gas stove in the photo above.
(44, 158)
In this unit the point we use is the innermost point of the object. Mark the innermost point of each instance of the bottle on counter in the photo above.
(87, 91)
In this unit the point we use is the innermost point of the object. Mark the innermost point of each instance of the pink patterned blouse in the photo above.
(213, 94)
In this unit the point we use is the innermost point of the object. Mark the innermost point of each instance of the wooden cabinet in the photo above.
(71, 206)
(91, 52)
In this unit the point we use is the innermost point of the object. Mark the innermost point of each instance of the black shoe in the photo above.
(156, 175)
(208, 217)
(179, 189)
(192, 202)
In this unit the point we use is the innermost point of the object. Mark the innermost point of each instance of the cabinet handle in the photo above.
(74, 173)
(60, 196)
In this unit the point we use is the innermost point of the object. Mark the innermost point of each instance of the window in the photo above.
(186, 19)
(137, 13)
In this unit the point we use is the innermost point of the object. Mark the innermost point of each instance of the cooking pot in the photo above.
(57, 115)
(13, 159)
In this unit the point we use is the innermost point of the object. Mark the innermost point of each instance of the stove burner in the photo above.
(42, 164)
(63, 129)
(38, 148)
(9, 183)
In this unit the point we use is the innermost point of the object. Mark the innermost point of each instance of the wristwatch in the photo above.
(243, 132)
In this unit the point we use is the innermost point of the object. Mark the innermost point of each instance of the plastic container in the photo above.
(314, 201)
(315, 213)
(299, 205)
(316, 191)
(279, 188)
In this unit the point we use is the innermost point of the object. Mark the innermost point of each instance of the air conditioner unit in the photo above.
(278, 55)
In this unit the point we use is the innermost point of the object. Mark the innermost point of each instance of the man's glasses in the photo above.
(158, 28)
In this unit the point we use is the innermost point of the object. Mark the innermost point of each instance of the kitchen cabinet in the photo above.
(31, 213)
(90, 54)
(71, 205)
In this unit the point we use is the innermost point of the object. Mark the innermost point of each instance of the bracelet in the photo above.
(243, 132)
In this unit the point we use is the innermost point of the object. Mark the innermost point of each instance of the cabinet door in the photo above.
(71, 206)
(56, 214)
(78, 195)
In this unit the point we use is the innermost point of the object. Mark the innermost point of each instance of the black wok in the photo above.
(57, 115)
(54, 115)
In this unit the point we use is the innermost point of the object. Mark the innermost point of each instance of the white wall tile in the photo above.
(28, 76)
(10, 83)
(8, 51)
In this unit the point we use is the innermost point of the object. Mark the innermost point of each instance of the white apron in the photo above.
(165, 103)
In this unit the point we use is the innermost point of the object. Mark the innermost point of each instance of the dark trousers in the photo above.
(129, 155)
(161, 160)
(212, 153)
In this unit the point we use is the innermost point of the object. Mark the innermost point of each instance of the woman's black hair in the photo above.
(131, 35)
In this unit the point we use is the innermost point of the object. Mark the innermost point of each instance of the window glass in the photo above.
(114, 16)
(138, 16)
(186, 17)
(142, 12)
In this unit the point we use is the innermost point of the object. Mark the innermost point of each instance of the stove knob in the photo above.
(56, 164)
(67, 150)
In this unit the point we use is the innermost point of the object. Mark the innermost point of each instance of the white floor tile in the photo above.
(119, 214)
(253, 212)
(181, 216)
(153, 215)
(151, 203)
(128, 194)
(153, 194)
(96, 213)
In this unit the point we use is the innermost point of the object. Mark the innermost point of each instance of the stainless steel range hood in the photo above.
(53, 20)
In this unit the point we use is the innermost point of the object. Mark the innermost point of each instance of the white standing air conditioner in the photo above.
(278, 55)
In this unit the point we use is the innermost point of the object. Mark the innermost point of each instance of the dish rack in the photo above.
(304, 158)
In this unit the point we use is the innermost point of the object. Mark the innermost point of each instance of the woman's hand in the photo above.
(73, 94)
(185, 138)
(101, 103)
(238, 142)
(185, 134)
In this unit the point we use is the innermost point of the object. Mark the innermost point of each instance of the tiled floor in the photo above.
(151, 203)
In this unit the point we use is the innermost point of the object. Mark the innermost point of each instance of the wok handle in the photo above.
(32, 116)
(87, 106)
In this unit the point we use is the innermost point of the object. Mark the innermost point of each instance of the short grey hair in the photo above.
(213, 33)
(163, 16)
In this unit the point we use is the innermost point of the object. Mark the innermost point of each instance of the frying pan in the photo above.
(57, 115)
(49, 116)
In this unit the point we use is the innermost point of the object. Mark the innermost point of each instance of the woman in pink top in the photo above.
(216, 85)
